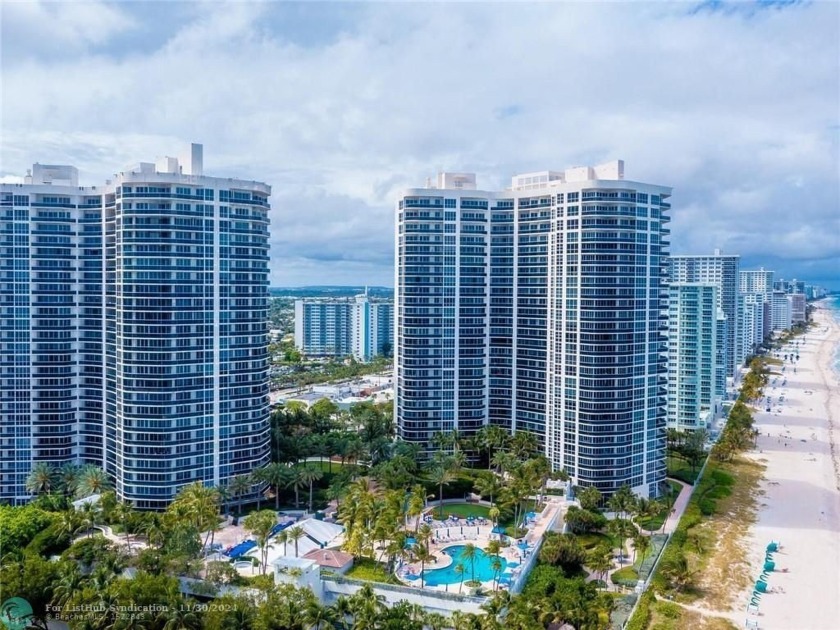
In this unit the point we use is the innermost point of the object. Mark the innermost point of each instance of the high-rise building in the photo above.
(693, 360)
(752, 330)
(721, 270)
(336, 327)
(539, 308)
(780, 315)
(133, 324)
(323, 327)
(751, 281)
(755, 287)
(797, 308)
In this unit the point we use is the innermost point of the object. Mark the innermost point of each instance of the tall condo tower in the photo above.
(539, 308)
(692, 356)
(721, 270)
(133, 323)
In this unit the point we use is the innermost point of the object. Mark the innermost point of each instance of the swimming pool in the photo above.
(483, 571)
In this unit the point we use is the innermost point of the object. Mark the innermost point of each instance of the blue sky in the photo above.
(341, 105)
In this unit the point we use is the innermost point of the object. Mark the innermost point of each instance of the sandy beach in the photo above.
(801, 504)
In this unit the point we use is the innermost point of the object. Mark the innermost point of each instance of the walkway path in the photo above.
(679, 507)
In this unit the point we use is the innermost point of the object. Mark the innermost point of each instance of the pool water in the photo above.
(483, 571)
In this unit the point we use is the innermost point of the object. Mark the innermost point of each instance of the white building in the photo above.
(753, 322)
(780, 311)
(692, 355)
(755, 287)
(538, 308)
(341, 327)
(721, 270)
(133, 327)
(797, 308)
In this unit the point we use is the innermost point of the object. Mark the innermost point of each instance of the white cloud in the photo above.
(736, 110)
(35, 28)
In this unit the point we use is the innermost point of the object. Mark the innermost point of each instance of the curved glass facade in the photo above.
(562, 337)
(136, 320)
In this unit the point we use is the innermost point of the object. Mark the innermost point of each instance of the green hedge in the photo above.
(641, 618)
(47, 542)
(625, 577)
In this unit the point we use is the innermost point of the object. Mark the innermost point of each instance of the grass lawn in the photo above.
(463, 510)
(371, 571)
(590, 541)
(325, 466)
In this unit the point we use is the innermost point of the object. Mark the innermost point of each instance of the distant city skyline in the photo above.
(352, 106)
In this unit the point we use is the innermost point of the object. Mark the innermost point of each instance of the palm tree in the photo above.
(239, 485)
(68, 474)
(42, 479)
(600, 562)
(318, 616)
(641, 544)
(70, 581)
(469, 553)
(309, 475)
(589, 497)
(224, 497)
(151, 528)
(523, 444)
(283, 537)
(496, 565)
(677, 572)
(92, 480)
(440, 476)
(503, 461)
(177, 616)
(494, 513)
(88, 513)
(459, 571)
(488, 484)
(416, 504)
(260, 525)
(124, 512)
(297, 481)
(277, 476)
(422, 555)
(68, 523)
(295, 534)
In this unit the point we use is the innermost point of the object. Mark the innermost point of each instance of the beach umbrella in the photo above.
(769, 566)
(761, 587)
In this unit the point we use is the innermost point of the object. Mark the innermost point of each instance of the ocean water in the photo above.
(833, 303)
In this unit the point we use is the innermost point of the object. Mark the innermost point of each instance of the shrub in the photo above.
(641, 618)
(47, 542)
(625, 577)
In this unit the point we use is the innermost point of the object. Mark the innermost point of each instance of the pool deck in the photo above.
(448, 534)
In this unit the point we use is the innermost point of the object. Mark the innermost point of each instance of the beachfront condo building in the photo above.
(338, 327)
(755, 286)
(133, 327)
(797, 308)
(752, 281)
(721, 270)
(539, 308)
(780, 315)
(755, 322)
(694, 364)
